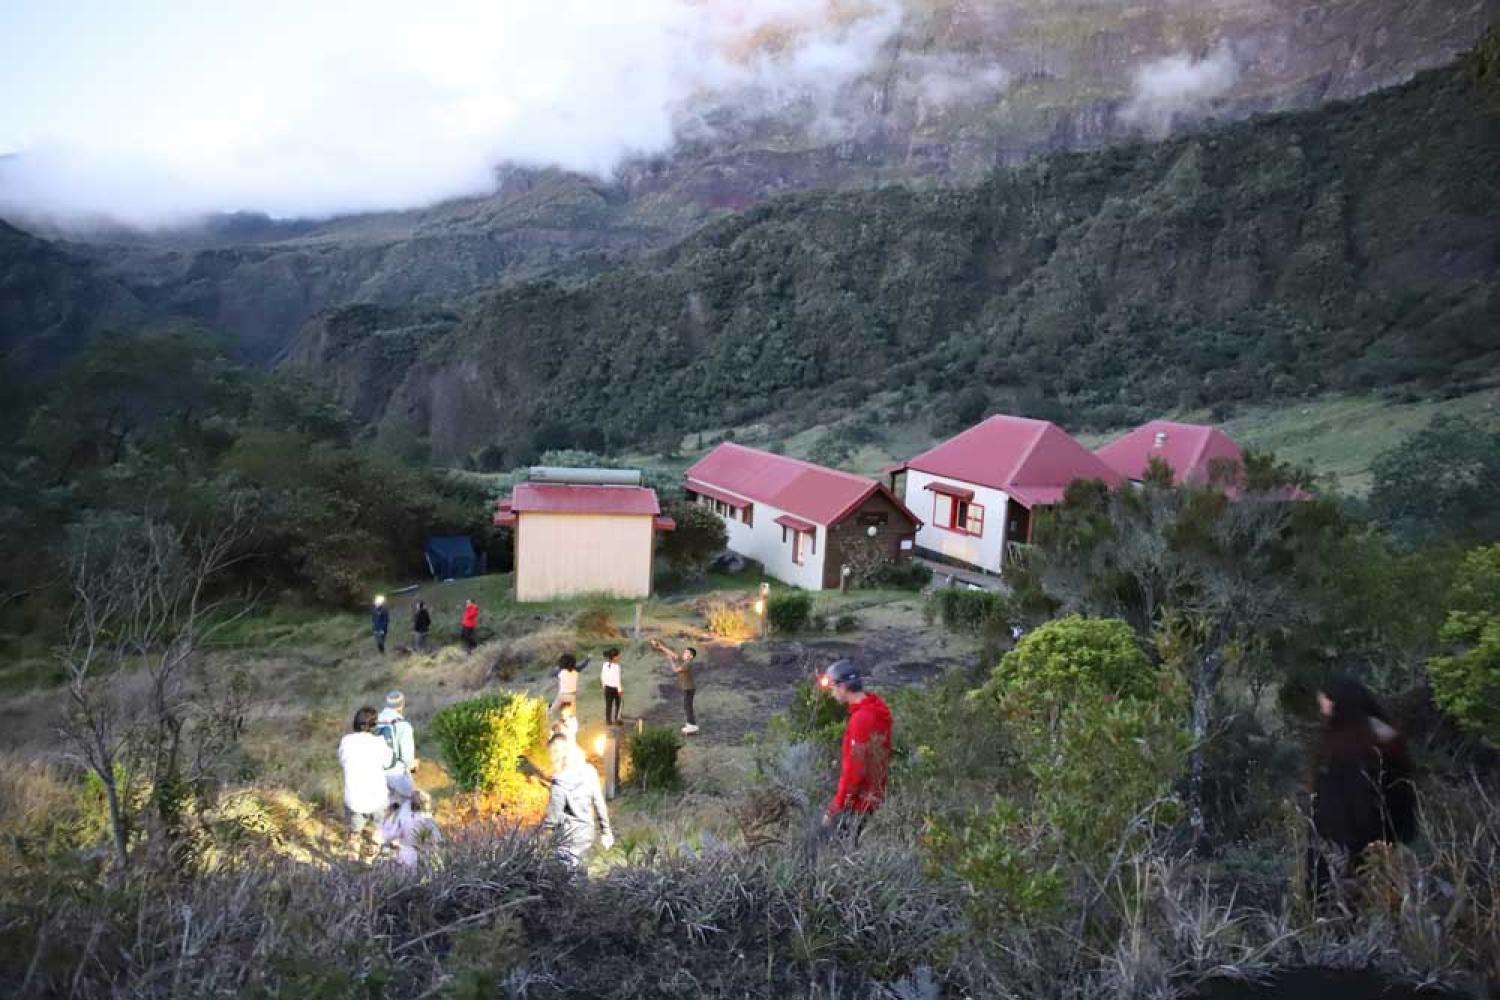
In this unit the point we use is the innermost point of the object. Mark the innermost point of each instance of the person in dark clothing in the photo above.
(1361, 781)
(380, 621)
(421, 624)
(609, 679)
(866, 753)
(682, 665)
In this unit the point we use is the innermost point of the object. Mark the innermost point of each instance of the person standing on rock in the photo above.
(380, 621)
(866, 752)
(421, 624)
(468, 624)
(682, 665)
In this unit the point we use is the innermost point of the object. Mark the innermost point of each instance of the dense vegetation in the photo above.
(164, 428)
(1347, 248)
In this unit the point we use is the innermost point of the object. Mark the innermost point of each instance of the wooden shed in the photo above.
(574, 538)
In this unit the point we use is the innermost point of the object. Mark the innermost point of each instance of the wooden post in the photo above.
(611, 761)
(637, 635)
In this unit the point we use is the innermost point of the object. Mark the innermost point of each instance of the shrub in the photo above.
(699, 536)
(814, 714)
(653, 758)
(790, 610)
(845, 623)
(596, 622)
(728, 622)
(964, 610)
(1059, 659)
(1466, 685)
(901, 574)
(483, 740)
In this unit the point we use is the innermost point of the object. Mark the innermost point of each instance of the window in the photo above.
(797, 554)
(953, 514)
(804, 543)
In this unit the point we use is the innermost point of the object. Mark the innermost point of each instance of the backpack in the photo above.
(387, 732)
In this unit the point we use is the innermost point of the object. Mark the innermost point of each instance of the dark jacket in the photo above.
(421, 621)
(1362, 786)
(380, 619)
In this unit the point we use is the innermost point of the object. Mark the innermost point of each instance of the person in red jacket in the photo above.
(867, 751)
(469, 623)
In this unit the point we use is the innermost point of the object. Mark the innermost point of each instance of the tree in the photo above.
(698, 537)
(1215, 581)
(1440, 484)
(141, 606)
(1466, 684)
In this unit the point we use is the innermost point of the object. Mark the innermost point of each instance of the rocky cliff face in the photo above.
(1350, 247)
(957, 88)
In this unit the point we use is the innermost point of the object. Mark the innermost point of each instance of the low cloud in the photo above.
(1177, 85)
(307, 109)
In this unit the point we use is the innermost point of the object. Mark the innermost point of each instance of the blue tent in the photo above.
(451, 556)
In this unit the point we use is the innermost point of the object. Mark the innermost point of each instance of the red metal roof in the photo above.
(1031, 460)
(724, 496)
(567, 498)
(796, 523)
(1188, 449)
(805, 490)
(948, 490)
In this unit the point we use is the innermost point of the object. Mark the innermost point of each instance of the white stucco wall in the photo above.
(762, 542)
(983, 551)
(564, 555)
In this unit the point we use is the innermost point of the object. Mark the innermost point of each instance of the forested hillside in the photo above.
(1352, 247)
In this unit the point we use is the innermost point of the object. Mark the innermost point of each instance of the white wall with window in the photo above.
(788, 554)
(962, 521)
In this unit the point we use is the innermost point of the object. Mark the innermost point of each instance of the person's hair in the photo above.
(1353, 703)
(691, 651)
(557, 749)
(611, 653)
(566, 711)
(567, 661)
(421, 604)
(365, 719)
(421, 801)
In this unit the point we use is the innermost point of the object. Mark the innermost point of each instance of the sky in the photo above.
(154, 112)
(157, 110)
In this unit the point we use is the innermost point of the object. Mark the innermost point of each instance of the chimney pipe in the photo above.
(1161, 438)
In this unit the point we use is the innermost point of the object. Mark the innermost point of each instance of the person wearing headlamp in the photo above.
(866, 753)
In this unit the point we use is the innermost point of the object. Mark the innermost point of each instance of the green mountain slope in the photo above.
(1349, 248)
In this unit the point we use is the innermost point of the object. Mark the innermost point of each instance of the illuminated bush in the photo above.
(483, 740)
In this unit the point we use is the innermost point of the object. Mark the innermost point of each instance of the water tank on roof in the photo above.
(585, 477)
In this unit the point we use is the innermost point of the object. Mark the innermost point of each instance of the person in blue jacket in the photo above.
(380, 621)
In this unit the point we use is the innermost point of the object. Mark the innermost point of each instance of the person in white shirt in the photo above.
(567, 682)
(400, 744)
(609, 677)
(409, 828)
(363, 756)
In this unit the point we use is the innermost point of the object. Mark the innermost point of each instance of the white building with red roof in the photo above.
(574, 538)
(978, 489)
(803, 522)
(1195, 453)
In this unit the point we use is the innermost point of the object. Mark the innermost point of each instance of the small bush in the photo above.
(964, 610)
(845, 623)
(596, 622)
(482, 741)
(728, 622)
(653, 758)
(814, 714)
(1058, 659)
(902, 574)
(790, 610)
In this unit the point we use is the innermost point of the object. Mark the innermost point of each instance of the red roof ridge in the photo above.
(1015, 474)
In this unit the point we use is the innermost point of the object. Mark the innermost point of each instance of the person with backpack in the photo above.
(609, 679)
(468, 624)
(380, 621)
(400, 744)
(567, 683)
(576, 803)
(866, 753)
(421, 624)
(363, 757)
